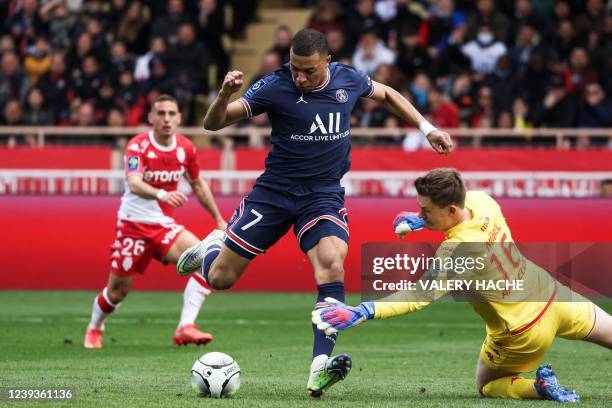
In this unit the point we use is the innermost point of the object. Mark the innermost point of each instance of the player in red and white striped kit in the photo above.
(154, 163)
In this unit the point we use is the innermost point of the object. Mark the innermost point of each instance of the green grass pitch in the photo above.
(425, 359)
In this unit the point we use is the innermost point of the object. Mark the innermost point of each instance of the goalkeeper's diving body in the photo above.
(519, 333)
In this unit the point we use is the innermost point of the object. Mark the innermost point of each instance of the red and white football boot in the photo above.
(189, 334)
(93, 338)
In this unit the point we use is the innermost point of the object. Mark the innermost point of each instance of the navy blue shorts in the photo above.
(266, 214)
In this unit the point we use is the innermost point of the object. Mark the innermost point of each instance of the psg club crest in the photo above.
(341, 96)
(180, 154)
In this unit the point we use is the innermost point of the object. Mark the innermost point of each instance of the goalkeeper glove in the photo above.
(339, 317)
(406, 222)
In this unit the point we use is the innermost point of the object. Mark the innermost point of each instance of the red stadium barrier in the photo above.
(82, 158)
(209, 159)
(396, 159)
(51, 157)
(387, 159)
(59, 242)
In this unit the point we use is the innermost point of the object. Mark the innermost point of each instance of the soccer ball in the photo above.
(215, 375)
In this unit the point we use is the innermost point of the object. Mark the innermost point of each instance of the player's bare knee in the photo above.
(331, 271)
(336, 271)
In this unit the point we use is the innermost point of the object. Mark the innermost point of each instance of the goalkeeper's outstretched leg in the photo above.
(505, 384)
(577, 321)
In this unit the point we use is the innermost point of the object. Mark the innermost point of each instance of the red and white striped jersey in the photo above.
(160, 166)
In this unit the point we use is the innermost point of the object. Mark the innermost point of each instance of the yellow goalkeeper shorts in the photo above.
(523, 350)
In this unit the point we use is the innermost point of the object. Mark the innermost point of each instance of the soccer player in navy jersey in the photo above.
(309, 103)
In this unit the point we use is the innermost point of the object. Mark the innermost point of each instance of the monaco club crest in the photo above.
(180, 154)
(341, 96)
(127, 263)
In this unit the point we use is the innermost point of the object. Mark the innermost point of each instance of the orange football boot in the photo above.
(93, 339)
(189, 334)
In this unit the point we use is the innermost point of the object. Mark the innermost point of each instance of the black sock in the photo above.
(325, 344)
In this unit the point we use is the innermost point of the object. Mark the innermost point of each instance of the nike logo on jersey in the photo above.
(301, 100)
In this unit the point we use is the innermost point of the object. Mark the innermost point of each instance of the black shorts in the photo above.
(266, 214)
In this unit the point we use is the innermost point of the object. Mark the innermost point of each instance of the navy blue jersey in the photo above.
(310, 132)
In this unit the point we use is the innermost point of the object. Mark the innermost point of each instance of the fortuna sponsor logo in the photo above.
(163, 176)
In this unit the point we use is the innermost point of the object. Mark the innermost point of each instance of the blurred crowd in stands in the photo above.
(481, 63)
(101, 62)
(513, 64)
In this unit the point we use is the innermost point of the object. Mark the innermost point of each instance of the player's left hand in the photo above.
(338, 317)
(440, 141)
(175, 198)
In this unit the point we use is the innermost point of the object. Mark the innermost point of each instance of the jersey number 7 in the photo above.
(258, 218)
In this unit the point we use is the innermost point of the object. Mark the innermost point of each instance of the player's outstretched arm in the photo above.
(202, 192)
(398, 105)
(147, 191)
(334, 316)
(221, 112)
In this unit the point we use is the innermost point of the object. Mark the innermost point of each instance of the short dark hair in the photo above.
(443, 187)
(308, 41)
(164, 98)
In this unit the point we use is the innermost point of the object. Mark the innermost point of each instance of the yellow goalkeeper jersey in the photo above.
(487, 235)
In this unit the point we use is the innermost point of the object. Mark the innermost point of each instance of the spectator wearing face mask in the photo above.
(484, 51)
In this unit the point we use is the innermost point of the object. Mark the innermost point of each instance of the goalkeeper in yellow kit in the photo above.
(521, 327)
